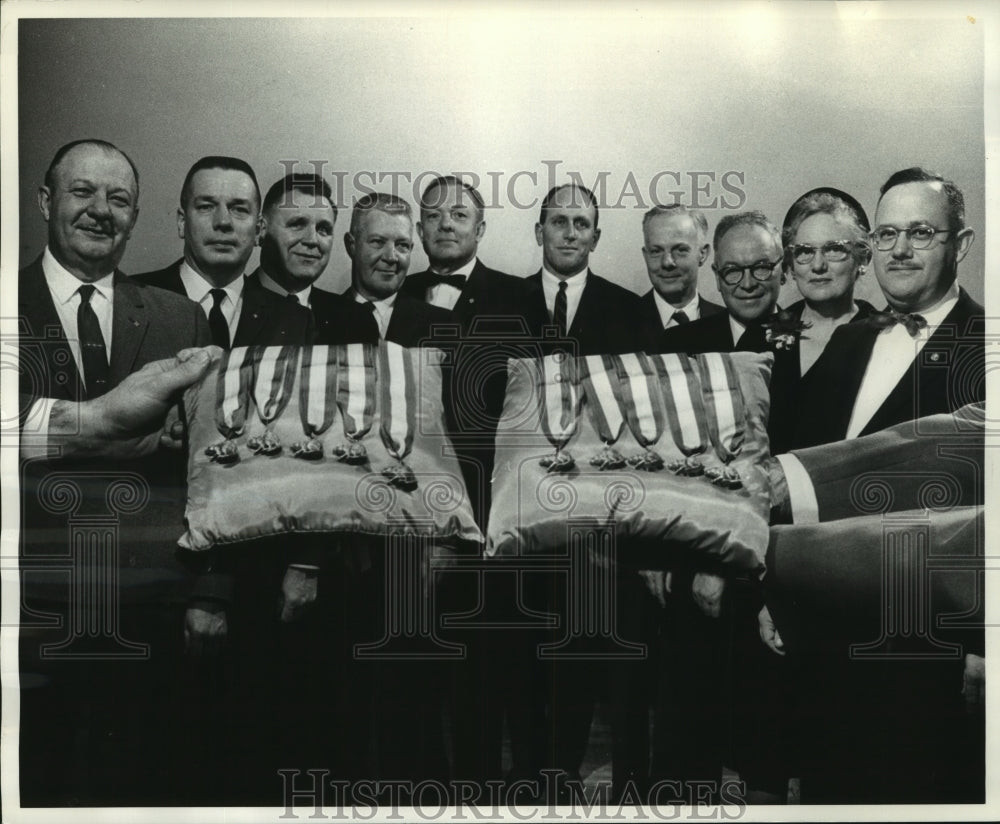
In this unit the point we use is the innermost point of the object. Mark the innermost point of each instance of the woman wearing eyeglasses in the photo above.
(825, 235)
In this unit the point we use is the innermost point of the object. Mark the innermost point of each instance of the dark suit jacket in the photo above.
(606, 321)
(413, 322)
(949, 373)
(148, 324)
(265, 320)
(652, 324)
(322, 304)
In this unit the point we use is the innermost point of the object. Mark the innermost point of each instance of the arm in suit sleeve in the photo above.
(934, 461)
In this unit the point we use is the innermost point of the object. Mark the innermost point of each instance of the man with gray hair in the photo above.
(675, 246)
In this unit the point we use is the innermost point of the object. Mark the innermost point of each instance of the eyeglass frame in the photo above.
(733, 268)
(850, 245)
(908, 231)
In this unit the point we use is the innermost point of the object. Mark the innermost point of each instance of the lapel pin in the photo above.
(935, 357)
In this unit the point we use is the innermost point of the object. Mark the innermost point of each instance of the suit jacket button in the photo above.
(935, 357)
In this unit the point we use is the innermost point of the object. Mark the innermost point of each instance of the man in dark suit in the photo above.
(587, 314)
(675, 248)
(219, 221)
(379, 245)
(926, 354)
(86, 328)
(893, 707)
(295, 244)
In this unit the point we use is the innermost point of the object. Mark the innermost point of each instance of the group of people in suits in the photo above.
(260, 688)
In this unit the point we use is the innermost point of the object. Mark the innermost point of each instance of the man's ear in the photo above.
(703, 253)
(597, 237)
(964, 242)
(180, 223)
(135, 218)
(480, 230)
(44, 201)
(349, 244)
(420, 231)
(538, 233)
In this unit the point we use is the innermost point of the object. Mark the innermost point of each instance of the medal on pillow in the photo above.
(232, 404)
(356, 401)
(559, 393)
(273, 378)
(317, 399)
(603, 392)
(644, 409)
(398, 413)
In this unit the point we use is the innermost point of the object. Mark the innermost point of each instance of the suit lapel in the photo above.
(129, 323)
(252, 316)
(40, 322)
(474, 291)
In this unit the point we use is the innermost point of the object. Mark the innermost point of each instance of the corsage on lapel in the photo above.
(784, 330)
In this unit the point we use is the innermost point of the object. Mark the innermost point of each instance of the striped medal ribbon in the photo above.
(685, 411)
(643, 405)
(602, 389)
(355, 398)
(273, 379)
(726, 415)
(317, 399)
(232, 402)
(398, 410)
(559, 407)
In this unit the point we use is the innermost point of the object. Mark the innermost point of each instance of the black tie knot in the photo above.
(217, 321)
(86, 292)
(93, 353)
(679, 317)
(457, 281)
(218, 295)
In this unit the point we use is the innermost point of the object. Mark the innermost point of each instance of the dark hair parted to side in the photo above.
(587, 199)
(753, 218)
(217, 162)
(310, 184)
(426, 202)
(62, 151)
(917, 174)
(378, 202)
(670, 209)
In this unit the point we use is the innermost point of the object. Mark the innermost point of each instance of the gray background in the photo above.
(792, 102)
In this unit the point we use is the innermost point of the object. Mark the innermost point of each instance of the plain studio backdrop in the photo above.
(745, 111)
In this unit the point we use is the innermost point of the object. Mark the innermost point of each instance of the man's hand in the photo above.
(768, 632)
(127, 421)
(205, 629)
(658, 582)
(298, 592)
(706, 589)
(974, 681)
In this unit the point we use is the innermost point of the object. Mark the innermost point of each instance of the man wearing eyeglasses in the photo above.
(747, 270)
(925, 354)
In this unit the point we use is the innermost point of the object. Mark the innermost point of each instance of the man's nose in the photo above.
(99, 206)
(901, 248)
(309, 236)
(221, 218)
(446, 221)
(667, 261)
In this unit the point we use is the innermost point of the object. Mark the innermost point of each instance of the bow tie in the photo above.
(913, 323)
(458, 281)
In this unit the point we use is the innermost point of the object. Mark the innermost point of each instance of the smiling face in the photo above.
(915, 279)
(749, 300)
(219, 223)
(450, 226)
(674, 251)
(569, 233)
(822, 280)
(380, 253)
(90, 209)
(297, 239)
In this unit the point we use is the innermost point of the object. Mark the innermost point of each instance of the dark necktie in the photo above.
(458, 281)
(913, 323)
(92, 351)
(559, 311)
(292, 298)
(370, 323)
(217, 321)
(680, 317)
(753, 339)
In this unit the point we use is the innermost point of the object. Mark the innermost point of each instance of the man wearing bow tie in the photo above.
(295, 244)
(925, 355)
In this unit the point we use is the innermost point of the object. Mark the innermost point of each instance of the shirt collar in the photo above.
(462, 270)
(576, 280)
(667, 310)
(197, 287)
(63, 284)
(381, 305)
(936, 314)
(271, 285)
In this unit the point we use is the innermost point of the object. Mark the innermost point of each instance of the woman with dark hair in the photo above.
(825, 235)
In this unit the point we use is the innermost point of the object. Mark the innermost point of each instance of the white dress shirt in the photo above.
(200, 291)
(272, 286)
(574, 291)
(736, 329)
(383, 311)
(64, 287)
(892, 355)
(444, 294)
(666, 310)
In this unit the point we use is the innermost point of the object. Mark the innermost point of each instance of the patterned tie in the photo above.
(559, 312)
(913, 323)
(217, 321)
(680, 317)
(93, 353)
